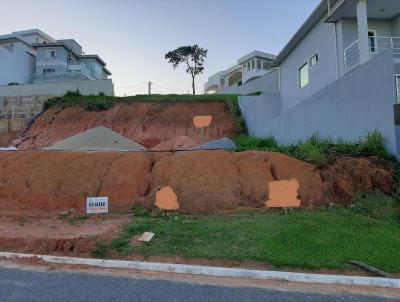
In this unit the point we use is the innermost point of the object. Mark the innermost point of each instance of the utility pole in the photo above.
(150, 83)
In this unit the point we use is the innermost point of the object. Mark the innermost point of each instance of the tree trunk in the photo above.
(193, 86)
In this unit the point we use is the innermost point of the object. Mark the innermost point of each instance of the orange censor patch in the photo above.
(166, 199)
(201, 121)
(283, 194)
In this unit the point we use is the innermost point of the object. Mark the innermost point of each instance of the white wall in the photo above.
(60, 88)
(321, 40)
(16, 66)
(359, 102)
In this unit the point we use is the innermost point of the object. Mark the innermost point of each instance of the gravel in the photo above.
(97, 139)
(223, 143)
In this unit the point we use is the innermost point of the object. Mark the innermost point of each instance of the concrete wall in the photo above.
(256, 110)
(23, 107)
(60, 88)
(16, 64)
(321, 39)
(266, 83)
(359, 102)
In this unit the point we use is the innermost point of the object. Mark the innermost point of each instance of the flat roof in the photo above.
(33, 31)
(256, 54)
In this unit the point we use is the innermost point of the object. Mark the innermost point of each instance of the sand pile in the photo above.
(148, 123)
(97, 139)
(41, 183)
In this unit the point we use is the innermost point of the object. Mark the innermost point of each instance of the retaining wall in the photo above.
(357, 103)
(59, 88)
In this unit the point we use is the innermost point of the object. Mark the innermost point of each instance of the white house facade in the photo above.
(248, 68)
(339, 76)
(33, 57)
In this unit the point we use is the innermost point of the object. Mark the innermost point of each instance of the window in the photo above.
(252, 64)
(50, 53)
(49, 70)
(372, 41)
(266, 65)
(303, 75)
(258, 64)
(313, 60)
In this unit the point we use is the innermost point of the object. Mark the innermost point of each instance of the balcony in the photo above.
(377, 45)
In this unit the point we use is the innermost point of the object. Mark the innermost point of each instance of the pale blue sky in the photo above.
(132, 36)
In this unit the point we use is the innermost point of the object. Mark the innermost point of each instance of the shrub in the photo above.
(316, 149)
(73, 93)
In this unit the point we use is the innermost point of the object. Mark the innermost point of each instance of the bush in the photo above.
(316, 149)
(72, 94)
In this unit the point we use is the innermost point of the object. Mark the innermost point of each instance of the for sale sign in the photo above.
(96, 205)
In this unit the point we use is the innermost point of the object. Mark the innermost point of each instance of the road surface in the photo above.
(30, 285)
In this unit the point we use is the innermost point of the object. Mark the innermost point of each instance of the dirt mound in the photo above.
(40, 183)
(209, 181)
(97, 139)
(176, 143)
(48, 182)
(346, 176)
(148, 123)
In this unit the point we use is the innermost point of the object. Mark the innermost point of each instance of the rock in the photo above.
(67, 212)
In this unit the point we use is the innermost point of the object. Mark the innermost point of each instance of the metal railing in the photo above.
(377, 45)
(351, 55)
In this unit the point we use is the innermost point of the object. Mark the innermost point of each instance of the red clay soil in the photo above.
(43, 183)
(148, 123)
(68, 236)
(176, 143)
(346, 176)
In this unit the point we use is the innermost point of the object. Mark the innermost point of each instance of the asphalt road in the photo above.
(28, 285)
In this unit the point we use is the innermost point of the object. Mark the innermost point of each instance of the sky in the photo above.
(132, 36)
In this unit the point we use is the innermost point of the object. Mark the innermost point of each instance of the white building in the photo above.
(32, 56)
(248, 68)
(339, 76)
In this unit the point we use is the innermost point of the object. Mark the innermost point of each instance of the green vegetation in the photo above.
(326, 238)
(317, 149)
(101, 102)
(379, 206)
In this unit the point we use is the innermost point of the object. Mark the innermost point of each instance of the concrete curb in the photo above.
(216, 271)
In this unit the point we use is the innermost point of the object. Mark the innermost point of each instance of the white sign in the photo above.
(96, 205)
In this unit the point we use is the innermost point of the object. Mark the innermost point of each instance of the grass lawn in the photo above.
(326, 238)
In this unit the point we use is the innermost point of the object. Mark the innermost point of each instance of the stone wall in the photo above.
(25, 107)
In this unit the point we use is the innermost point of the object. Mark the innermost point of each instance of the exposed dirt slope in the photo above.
(43, 183)
(148, 123)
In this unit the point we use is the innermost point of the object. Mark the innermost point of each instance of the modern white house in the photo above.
(339, 76)
(33, 57)
(247, 69)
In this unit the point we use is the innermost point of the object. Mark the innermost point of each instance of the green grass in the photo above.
(316, 149)
(326, 238)
(102, 102)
